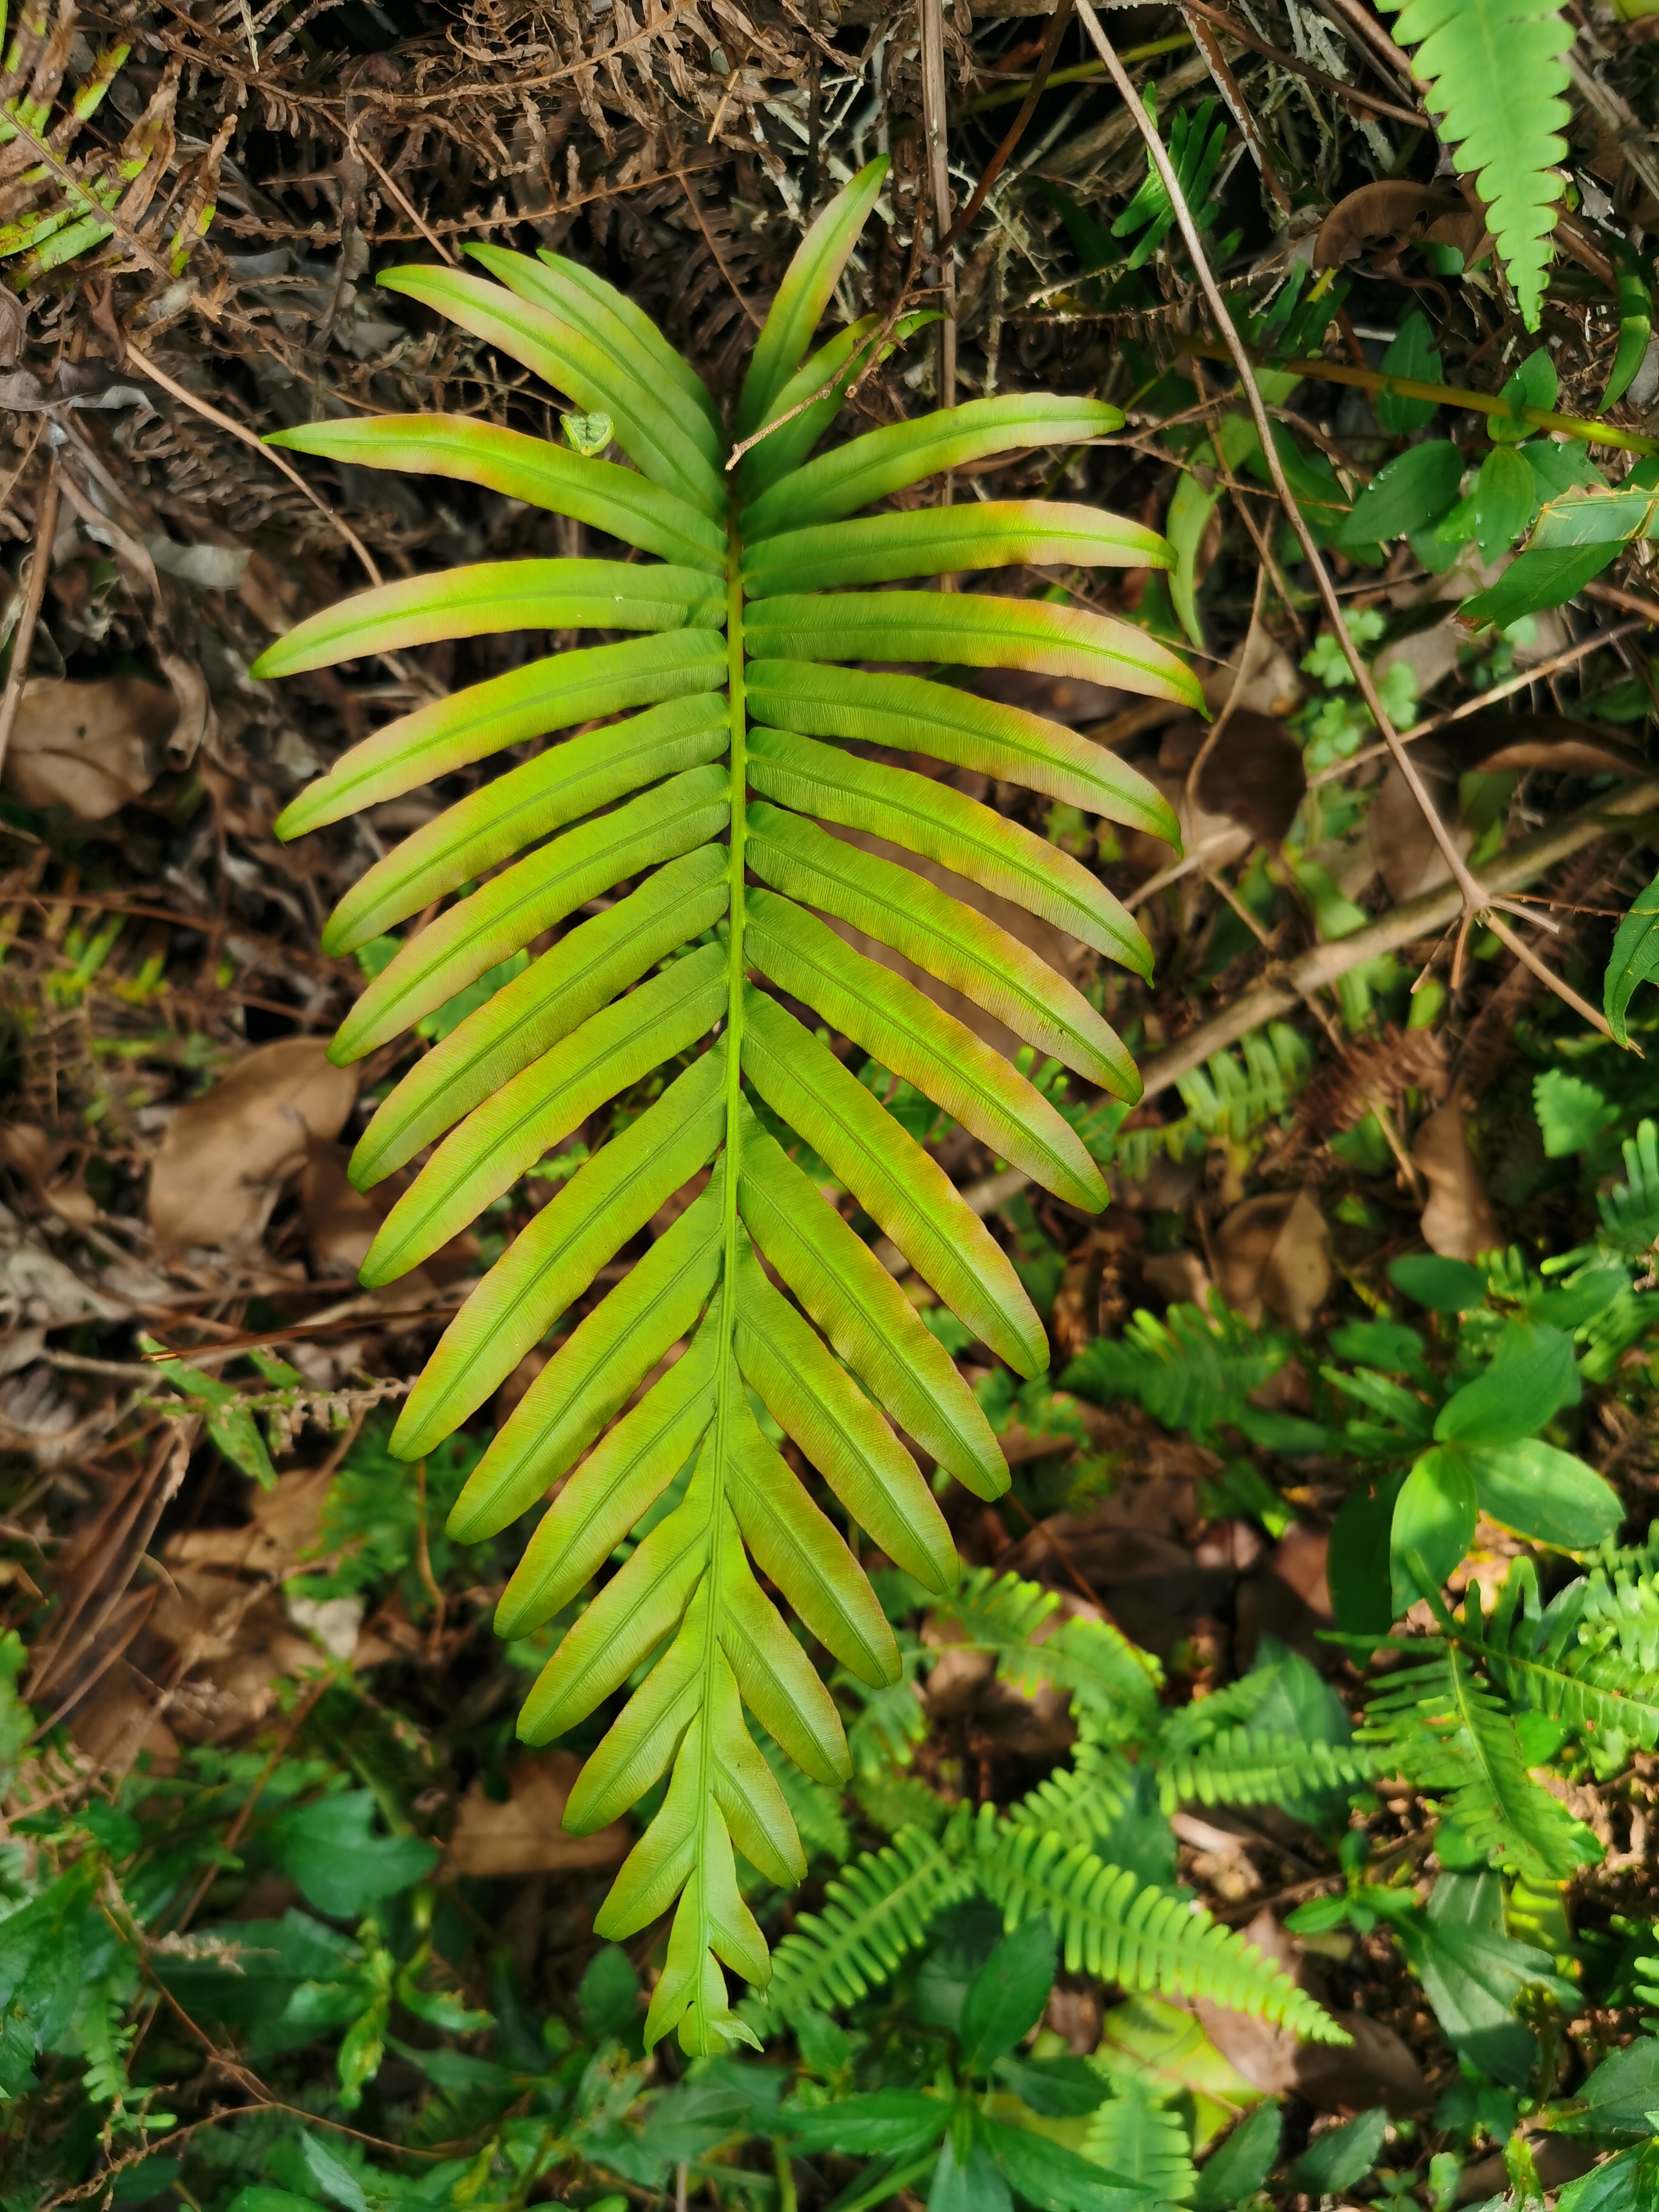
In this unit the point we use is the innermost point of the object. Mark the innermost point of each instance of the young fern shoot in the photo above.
(740, 689)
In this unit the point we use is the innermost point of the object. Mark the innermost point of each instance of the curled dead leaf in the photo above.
(89, 747)
(1551, 741)
(525, 1835)
(1275, 1252)
(1404, 849)
(1254, 776)
(1396, 210)
(1458, 1221)
(225, 1157)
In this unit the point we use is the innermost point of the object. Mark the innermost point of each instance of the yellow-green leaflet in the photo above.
(526, 702)
(608, 923)
(936, 541)
(929, 817)
(601, 493)
(498, 595)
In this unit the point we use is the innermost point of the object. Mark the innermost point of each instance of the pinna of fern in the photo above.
(744, 676)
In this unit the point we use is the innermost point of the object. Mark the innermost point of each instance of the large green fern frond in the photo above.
(1080, 1804)
(1495, 78)
(1136, 1934)
(732, 663)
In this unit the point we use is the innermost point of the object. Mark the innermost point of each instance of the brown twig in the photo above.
(999, 160)
(939, 179)
(34, 592)
(187, 398)
(1156, 152)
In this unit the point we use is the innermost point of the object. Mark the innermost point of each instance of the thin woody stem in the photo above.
(1475, 900)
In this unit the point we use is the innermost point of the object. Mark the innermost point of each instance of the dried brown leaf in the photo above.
(1275, 1252)
(1458, 1220)
(524, 1835)
(89, 747)
(224, 1159)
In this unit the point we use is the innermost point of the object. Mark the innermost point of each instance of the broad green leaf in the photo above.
(1504, 495)
(885, 461)
(1533, 1373)
(1410, 354)
(1054, 2088)
(1635, 960)
(589, 965)
(1545, 1495)
(532, 1114)
(893, 1179)
(870, 1323)
(936, 541)
(962, 949)
(1619, 2096)
(668, 442)
(903, 1030)
(1006, 1997)
(1434, 1518)
(973, 630)
(1594, 516)
(614, 1487)
(1055, 2179)
(1443, 1285)
(586, 1381)
(839, 1430)
(1336, 2159)
(1243, 2163)
(1193, 500)
(526, 702)
(499, 595)
(1535, 581)
(912, 712)
(341, 1865)
(538, 796)
(801, 299)
(479, 932)
(1407, 494)
(602, 494)
(933, 819)
(890, 2123)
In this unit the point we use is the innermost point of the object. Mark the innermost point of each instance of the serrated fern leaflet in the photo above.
(734, 684)
(1495, 77)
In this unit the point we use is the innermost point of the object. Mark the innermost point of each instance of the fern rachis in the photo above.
(734, 685)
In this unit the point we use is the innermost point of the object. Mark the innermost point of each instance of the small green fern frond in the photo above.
(1495, 78)
(1100, 1668)
(1630, 1211)
(1189, 1371)
(1138, 1935)
(1137, 2137)
(1080, 1804)
(1446, 1733)
(1248, 1766)
(876, 1912)
(893, 1802)
(1592, 1661)
(1231, 1098)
